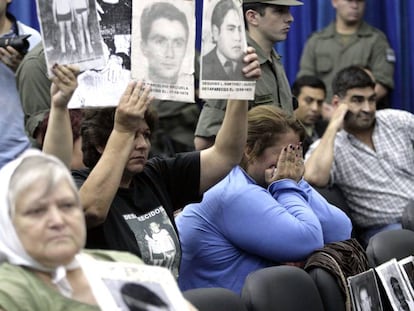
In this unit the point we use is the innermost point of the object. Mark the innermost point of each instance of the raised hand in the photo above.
(64, 83)
(338, 117)
(132, 107)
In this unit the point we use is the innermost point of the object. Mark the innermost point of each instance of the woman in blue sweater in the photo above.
(262, 213)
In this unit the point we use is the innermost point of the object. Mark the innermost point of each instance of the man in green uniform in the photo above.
(266, 22)
(34, 89)
(349, 40)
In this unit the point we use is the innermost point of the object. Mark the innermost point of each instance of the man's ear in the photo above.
(335, 101)
(251, 17)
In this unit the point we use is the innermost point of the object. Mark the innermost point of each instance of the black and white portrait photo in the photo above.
(127, 286)
(163, 45)
(407, 270)
(71, 33)
(222, 50)
(223, 60)
(364, 292)
(395, 286)
(103, 87)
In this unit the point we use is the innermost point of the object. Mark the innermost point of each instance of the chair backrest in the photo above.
(329, 290)
(387, 245)
(335, 196)
(214, 299)
(281, 288)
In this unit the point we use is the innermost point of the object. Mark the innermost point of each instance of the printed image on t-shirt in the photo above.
(156, 238)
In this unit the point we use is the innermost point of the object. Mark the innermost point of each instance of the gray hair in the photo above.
(34, 168)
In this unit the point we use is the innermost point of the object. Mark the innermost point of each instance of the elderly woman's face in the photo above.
(50, 225)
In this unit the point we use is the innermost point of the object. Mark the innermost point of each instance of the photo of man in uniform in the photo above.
(164, 38)
(224, 62)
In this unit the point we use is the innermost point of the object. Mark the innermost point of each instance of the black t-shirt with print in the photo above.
(141, 218)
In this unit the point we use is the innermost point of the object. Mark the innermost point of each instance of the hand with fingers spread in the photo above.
(10, 57)
(132, 107)
(64, 83)
(58, 139)
(289, 166)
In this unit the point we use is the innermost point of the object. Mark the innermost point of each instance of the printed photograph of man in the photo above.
(163, 47)
(365, 292)
(224, 61)
(164, 38)
(161, 246)
(407, 270)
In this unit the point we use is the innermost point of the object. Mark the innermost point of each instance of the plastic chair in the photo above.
(214, 299)
(281, 288)
(386, 245)
(335, 196)
(329, 290)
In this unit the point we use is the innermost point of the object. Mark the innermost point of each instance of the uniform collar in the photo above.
(364, 30)
(262, 58)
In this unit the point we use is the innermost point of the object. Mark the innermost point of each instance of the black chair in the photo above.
(334, 195)
(214, 299)
(331, 295)
(387, 245)
(281, 288)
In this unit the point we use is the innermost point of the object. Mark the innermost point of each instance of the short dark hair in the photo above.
(311, 81)
(161, 10)
(97, 125)
(259, 7)
(220, 10)
(349, 78)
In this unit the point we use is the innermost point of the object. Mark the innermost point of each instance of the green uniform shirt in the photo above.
(22, 290)
(34, 88)
(325, 54)
(272, 88)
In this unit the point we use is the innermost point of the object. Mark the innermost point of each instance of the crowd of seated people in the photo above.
(210, 216)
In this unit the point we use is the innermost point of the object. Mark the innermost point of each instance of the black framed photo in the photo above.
(364, 291)
(395, 286)
(407, 270)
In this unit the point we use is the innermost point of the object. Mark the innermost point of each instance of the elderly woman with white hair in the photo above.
(42, 233)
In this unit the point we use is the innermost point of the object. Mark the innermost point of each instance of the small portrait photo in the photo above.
(223, 40)
(407, 270)
(395, 286)
(364, 291)
(163, 40)
(70, 32)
